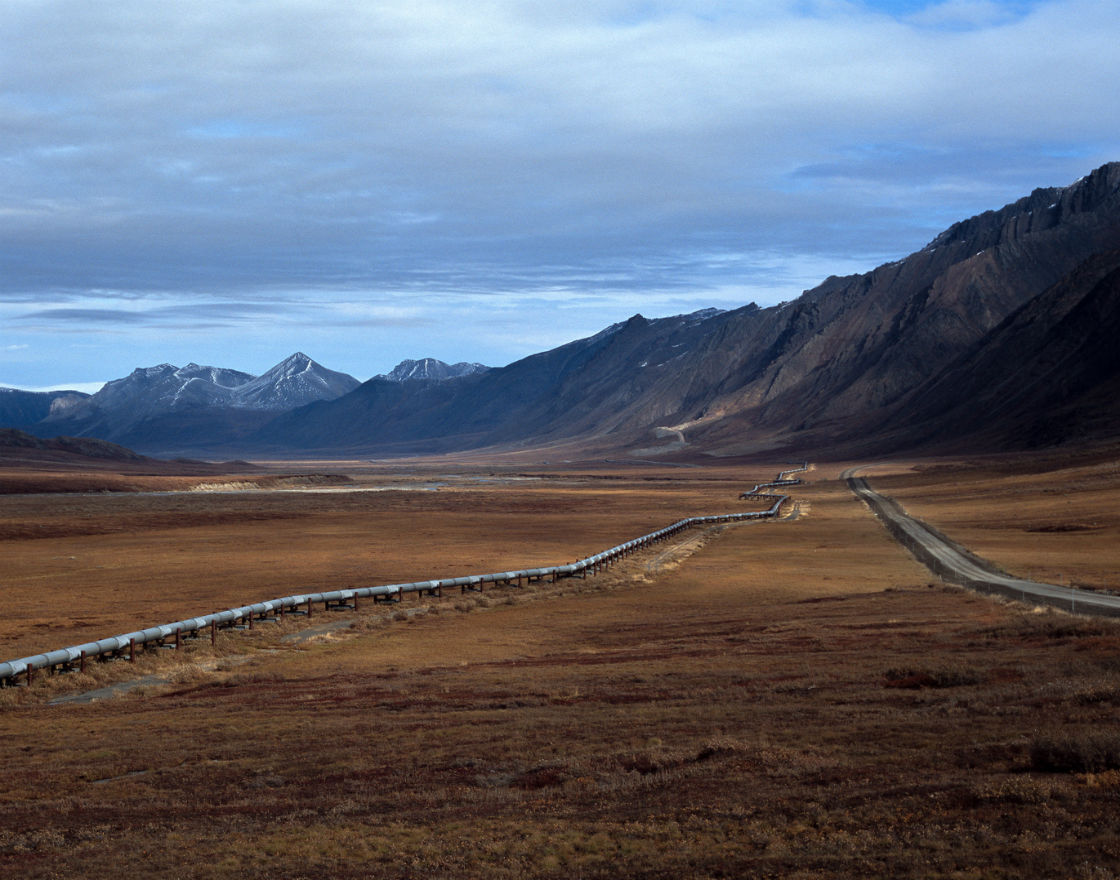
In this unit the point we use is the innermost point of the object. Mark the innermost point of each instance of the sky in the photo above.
(230, 182)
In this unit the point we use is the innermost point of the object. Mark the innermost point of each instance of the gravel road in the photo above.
(957, 565)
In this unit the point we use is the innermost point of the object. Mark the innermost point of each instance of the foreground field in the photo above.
(778, 699)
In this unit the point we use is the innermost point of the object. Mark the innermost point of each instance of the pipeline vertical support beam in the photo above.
(309, 609)
(213, 632)
(132, 650)
(82, 662)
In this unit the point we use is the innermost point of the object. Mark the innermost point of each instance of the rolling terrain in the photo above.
(30, 464)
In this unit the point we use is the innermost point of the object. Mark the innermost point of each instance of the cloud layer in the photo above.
(476, 181)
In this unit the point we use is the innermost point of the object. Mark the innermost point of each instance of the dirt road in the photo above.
(955, 564)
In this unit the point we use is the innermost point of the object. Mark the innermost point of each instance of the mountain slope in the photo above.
(582, 387)
(1047, 375)
(842, 360)
(21, 409)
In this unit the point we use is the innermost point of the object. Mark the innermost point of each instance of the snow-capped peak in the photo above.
(295, 381)
(432, 369)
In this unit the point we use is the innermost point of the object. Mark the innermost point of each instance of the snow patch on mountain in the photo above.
(295, 381)
(431, 369)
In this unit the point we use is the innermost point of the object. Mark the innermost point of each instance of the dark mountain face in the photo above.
(1049, 374)
(22, 409)
(845, 359)
(852, 352)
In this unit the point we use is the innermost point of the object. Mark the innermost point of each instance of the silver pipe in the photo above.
(12, 668)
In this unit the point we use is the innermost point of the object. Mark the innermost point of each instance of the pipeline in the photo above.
(784, 479)
(245, 615)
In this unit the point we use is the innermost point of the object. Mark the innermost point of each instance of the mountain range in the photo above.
(430, 368)
(999, 334)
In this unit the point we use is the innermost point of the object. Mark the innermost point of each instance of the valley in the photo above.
(630, 441)
(795, 697)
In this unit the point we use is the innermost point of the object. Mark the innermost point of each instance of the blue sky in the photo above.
(227, 183)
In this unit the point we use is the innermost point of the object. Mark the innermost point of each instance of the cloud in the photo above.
(84, 387)
(84, 316)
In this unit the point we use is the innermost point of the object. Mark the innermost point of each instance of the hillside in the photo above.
(844, 362)
(1047, 375)
(22, 409)
(32, 465)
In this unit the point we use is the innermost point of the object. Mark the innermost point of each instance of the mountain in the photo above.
(430, 368)
(844, 366)
(175, 410)
(1048, 374)
(21, 409)
(148, 391)
(999, 334)
(589, 387)
(295, 381)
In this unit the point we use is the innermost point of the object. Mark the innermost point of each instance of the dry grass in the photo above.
(89, 566)
(730, 713)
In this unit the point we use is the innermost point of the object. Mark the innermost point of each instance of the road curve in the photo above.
(958, 566)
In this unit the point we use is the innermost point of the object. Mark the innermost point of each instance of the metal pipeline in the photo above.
(233, 616)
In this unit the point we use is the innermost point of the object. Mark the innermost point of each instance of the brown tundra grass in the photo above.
(775, 699)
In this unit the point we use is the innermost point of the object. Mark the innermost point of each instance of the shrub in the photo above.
(1080, 753)
(945, 677)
